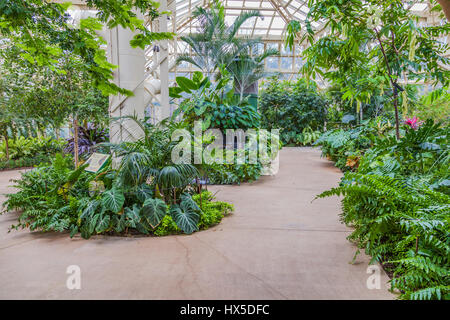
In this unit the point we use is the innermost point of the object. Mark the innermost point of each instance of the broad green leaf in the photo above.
(185, 217)
(186, 84)
(132, 216)
(103, 223)
(153, 211)
(90, 209)
(113, 200)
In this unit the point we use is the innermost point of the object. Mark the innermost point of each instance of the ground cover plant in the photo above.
(28, 152)
(345, 146)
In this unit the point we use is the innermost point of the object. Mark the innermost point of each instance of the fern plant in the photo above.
(400, 224)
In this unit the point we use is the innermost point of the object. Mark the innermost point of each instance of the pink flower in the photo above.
(413, 123)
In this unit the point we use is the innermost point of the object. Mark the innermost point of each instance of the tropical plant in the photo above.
(398, 201)
(88, 138)
(248, 68)
(216, 44)
(346, 146)
(43, 32)
(214, 104)
(29, 147)
(146, 191)
(296, 108)
(403, 225)
(375, 43)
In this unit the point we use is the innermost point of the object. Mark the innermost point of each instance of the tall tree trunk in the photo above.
(397, 122)
(75, 141)
(6, 146)
(361, 113)
(393, 83)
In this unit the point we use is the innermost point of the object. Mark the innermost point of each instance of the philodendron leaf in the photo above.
(143, 192)
(92, 223)
(153, 211)
(103, 223)
(113, 200)
(185, 217)
(132, 216)
(189, 202)
(119, 223)
(186, 84)
(90, 209)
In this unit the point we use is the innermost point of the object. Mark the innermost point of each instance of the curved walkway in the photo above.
(277, 245)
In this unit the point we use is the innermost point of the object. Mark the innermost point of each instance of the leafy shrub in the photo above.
(293, 108)
(345, 147)
(234, 173)
(26, 148)
(214, 104)
(25, 162)
(212, 213)
(437, 109)
(218, 107)
(139, 196)
(405, 225)
(399, 203)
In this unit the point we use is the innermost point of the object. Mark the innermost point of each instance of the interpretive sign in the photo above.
(96, 162)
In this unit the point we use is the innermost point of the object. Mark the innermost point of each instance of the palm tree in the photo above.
(216, 43)
(247, 69)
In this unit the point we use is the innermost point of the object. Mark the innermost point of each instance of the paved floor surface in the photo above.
(277, 245)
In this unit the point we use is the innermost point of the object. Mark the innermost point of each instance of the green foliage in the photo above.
(27, 148)
(185, 216)
(43, 32)
(371, 44)
(216, 43)
(298, 109)
(154, 211)
(398, 201)
(234, 173)
(406, 225)
(345, 147)
(146, 195)
(437, 109)
(214, 104)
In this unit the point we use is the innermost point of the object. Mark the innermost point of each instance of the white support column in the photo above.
(164, 63)
(128, 75)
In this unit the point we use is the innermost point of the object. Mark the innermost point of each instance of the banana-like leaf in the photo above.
(113, 200)
(185, 217)
(153, 211)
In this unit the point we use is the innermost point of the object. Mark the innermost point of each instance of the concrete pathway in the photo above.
(277, 245)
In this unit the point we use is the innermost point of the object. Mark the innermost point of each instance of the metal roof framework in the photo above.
(271, 28)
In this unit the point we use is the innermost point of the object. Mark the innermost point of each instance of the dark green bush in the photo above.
(296, 108)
